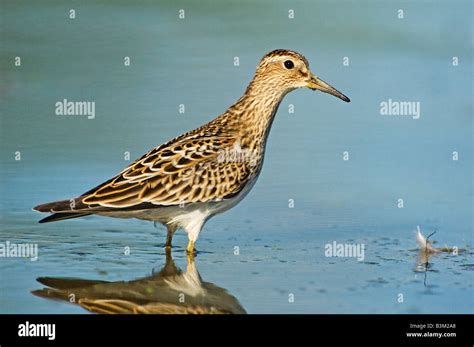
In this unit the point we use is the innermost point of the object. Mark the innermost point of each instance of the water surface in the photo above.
(281, 265)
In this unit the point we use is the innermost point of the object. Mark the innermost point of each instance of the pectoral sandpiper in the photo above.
(162, 292)
(206, 171)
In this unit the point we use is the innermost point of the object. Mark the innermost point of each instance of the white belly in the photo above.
(190, 217)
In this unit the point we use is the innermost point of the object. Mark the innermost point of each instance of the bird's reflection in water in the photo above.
(423, 262)
(168, 291)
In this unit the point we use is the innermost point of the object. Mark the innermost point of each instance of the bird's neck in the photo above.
(254, 112)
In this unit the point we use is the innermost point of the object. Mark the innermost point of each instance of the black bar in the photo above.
(131, 329)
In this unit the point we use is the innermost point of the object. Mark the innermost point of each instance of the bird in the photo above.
(206, 171)
(168, 291)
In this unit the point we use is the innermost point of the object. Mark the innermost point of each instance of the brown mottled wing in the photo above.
(186, 170)
(118, 306)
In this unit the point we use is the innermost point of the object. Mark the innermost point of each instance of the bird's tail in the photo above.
(60, 288)
(60, 210)
(62, 216)
(67, 283)
(55, 206)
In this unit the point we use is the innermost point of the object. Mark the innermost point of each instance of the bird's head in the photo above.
(288, 70)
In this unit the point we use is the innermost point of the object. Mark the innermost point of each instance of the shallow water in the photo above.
(281, 266)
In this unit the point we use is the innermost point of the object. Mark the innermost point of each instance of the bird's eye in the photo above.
(289, 64)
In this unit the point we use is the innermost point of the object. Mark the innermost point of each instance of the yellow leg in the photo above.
(190, 257)
(190, 249)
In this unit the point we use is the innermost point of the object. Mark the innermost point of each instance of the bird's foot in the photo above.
(191, 250)
(190, 257)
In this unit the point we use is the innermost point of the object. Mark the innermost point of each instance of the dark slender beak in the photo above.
(315, 83)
